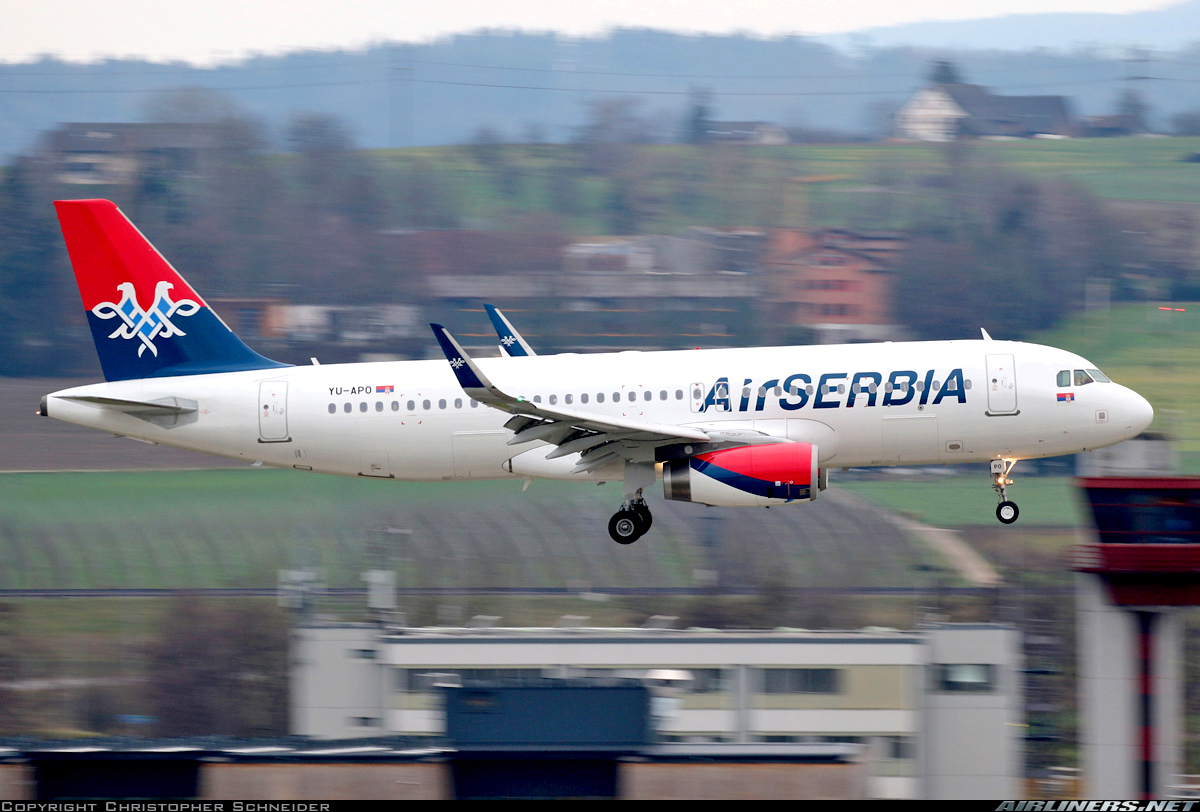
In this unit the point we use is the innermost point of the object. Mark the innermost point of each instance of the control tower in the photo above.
(1131, 584)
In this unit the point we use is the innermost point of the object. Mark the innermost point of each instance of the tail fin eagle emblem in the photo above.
(146, 325)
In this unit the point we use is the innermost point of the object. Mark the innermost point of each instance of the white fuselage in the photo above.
(341, 419)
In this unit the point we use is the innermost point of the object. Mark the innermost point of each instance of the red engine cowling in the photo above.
(746, 476)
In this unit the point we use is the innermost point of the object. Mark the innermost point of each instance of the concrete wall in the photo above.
(741, 781)
(331, 782)
(16, 783)
(1109, 695)
(973, 745)
(328, 701)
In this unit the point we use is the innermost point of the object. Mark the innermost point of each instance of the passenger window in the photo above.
(553, 399)
(537, 398)
(425, 404)
(968, 383)
(662, 395)
(583, 398)
(841, 388)
(1098, 376)
(616, 397)
(632, 396)
(567, 399)
(474, 403)
(333, 408)
(920, 386)
(347, 408)
(1082, 378)
(395, 405)
(412, 405)
(746, 391)
(1064, 378)
(648, 395)
(697, 394)
(362, 407)
(442, 403)
(599, 397)
(808, 389)
(679, 394)
(379, 405)
(458, 403)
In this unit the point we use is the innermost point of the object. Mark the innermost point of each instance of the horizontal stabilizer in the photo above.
(166, 412)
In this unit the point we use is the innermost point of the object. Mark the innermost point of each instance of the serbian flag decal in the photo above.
(1066, 397)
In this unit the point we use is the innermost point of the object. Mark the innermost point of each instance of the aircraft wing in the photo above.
(599, 439)
(512, 343)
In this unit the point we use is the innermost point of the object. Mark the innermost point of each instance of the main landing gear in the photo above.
(632, 521)
(1007, 512)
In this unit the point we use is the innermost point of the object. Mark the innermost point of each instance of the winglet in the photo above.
(986, 337)
(469, 376)
(511, 342)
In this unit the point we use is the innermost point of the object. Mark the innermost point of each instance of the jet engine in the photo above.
(746, 476)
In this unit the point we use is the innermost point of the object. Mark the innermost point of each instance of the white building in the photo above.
(939, 710)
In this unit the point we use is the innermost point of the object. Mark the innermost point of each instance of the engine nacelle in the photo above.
(746, 476)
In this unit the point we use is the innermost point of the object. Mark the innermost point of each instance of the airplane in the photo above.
(754, 427)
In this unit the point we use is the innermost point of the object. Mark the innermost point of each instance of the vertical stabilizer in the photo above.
(146, 320)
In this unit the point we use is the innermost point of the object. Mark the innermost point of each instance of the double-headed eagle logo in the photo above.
(146, 325)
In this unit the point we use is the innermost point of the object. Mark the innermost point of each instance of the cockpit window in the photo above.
(1099, 376)
(1082, 378)
(1064, 378)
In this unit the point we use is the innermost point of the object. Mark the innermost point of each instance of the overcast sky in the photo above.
(222, 30)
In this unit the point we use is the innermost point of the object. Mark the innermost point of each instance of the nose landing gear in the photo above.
(1007, 512)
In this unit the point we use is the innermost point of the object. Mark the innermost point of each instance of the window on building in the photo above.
(801, 681)
(1064, 377)
(971, 678)
(708, 680)
(900, 747)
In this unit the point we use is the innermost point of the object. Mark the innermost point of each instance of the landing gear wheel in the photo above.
(644, 517)
(1007, 512)
(625, 527)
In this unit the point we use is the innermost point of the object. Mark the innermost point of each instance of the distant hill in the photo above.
(442, 92)
(1165, 29)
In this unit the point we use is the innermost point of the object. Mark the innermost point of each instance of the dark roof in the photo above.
(990, 114)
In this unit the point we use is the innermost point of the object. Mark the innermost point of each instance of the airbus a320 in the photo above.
(732, 427)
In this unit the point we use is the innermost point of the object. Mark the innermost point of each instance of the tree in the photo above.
(1132, 106)
(220, 668)
(699, 118)
(944, 72)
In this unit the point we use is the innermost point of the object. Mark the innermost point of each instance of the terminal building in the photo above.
(932, 713)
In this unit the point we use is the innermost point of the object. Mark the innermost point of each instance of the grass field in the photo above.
(236, 528)
(841, 184)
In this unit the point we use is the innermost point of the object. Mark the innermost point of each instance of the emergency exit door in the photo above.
(272, 412)
(1001, 384)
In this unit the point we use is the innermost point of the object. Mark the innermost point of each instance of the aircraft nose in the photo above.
(1140, 414)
